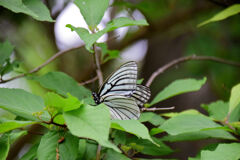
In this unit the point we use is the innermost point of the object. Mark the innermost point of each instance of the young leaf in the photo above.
(90, 122)
(133, 127)
(56, 101)
(47, 146)
(68, 149)
(223, 152)
(92, 10)
(8, 125)
(90, 39)
(178, 87)
(6, 50)
(34, 8)
(63, 84)
(106, 53)
(230, 11)
(22, 103)
(234, 98)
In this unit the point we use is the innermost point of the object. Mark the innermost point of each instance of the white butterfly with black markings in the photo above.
(122, 94)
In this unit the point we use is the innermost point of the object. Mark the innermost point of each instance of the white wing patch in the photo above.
(121, 93)
(122, 107)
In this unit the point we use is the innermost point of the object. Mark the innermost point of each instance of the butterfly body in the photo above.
(121, 93)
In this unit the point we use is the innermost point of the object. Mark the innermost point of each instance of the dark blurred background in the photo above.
(172, 33)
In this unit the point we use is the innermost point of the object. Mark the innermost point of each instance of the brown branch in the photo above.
(157, 109)
(55, 56)
(88, 81)
(185, 59)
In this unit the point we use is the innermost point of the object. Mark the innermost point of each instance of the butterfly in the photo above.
(121, 93)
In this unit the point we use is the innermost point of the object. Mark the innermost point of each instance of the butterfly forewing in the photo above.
(122, 107)
(121, 82)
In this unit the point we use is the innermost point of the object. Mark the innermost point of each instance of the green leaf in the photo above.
(68, 149)
(60, 103)
(47, 146)
(217, 110)
(178, 87)
(152, 118)
(133, 127)
(149, 148)
(4, 146)
(92, 10)
(202, 134)
(90, 152)
(185, 123)
(34, 8)
(90, 122)
(82, 147)
(6, 50)
(155, 131)
(22, 103)
(223, 152)
(9, 66)
(230, 11)
(174, 114)
(62, 84)
(111, 154)
(90, 39)
(8, 125)
(31, 154)
(234, 98)
(6, 140)
(119, 137)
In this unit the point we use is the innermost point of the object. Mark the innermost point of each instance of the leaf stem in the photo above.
(157, 109)
(98, 66)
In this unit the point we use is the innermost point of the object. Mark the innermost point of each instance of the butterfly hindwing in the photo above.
(122, 107)
(141, 95)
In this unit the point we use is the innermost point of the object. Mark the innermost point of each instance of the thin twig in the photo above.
(157, 109)
(98, 155)
(98, 69)
(88, 81)
(184, 59)
(55, 56)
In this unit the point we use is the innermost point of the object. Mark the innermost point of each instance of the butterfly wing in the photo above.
(122, 82)
(141, 95)
(122, 107)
